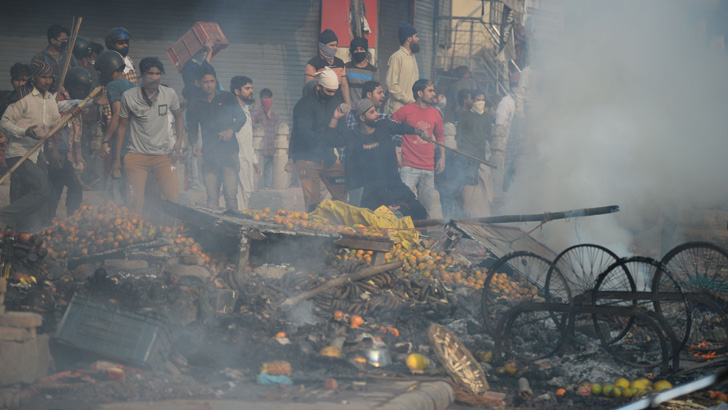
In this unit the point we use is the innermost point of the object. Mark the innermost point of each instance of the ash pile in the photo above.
(228, 306)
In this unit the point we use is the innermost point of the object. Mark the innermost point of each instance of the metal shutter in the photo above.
(391, 14)
(270, 41)
(424, 23)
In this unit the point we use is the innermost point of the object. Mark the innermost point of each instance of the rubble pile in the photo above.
(277, 325)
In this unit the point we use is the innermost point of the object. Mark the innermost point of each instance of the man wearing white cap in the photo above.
(314, 160)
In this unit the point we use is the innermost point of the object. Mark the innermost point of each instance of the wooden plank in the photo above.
(364, 244)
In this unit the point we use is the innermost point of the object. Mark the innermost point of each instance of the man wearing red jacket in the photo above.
(418, 165)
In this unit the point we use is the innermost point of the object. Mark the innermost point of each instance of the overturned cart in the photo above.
(260, 242)
(643, 312)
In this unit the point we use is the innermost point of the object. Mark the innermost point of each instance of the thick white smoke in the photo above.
(633, 111)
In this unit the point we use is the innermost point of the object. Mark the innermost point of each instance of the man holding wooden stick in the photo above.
(25, 122)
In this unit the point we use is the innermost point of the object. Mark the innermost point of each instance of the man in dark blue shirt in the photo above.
(217, 116)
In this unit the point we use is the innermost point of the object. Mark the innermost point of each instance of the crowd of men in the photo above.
(394, 153)
(367, 149)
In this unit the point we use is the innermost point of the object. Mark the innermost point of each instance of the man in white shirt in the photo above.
(25, 122)
(242, 87)
(504, 114)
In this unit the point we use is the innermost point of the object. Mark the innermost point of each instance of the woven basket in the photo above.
(457, 359)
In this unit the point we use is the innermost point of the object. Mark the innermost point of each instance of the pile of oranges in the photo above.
(425, 262)
(96, 229)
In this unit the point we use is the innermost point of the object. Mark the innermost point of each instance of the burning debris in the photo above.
(361, 314)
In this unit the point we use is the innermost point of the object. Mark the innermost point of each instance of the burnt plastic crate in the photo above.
(114, 333)
(194, 40)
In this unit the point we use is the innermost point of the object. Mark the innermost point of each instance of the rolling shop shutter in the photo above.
(391, 14)
(424, 23)
(270, 41)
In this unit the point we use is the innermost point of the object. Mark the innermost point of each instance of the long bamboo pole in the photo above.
(69, 50)
(55, 129)
(546, 216)
(457, 151)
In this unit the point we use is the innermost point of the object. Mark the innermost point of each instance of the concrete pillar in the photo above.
(258, 134)
(280, 176)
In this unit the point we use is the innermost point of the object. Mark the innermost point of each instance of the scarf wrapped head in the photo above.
(38, 68)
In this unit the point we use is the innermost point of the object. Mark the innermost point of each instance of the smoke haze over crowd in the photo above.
(632, 112)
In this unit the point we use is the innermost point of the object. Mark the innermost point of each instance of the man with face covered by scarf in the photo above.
(25, 122)
(314, 160)
(56, 52)
(327, 59)
(359, 70)
(475, 132)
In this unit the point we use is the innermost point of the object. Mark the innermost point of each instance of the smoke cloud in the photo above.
(631, 111)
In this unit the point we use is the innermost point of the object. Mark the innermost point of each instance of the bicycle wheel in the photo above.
(517, 277)
(580, 266)
(615, 279)
(658, 295)
(701, 269)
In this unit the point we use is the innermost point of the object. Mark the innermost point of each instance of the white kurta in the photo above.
(247, 159)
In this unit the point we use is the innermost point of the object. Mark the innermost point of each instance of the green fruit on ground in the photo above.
(646, 381)
(662, 385)
(607, 390)
(629, 392)
(617, 391)
(596, 389)
(639, 384)
(622, 382)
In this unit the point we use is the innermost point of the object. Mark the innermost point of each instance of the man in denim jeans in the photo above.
(418, 155)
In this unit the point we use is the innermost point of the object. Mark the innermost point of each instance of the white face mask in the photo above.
(479, 107)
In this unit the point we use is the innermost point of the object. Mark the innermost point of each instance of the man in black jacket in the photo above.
(371, 160)
(218, 116)
(315, 161)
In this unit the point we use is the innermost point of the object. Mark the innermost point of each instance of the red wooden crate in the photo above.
(194, 40)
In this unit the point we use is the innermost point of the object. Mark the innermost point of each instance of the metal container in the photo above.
(377, 357)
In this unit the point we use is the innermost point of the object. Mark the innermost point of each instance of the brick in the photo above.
(16, 334)
(187, 270)
(3, 285)
(24, 362)
(21, 319)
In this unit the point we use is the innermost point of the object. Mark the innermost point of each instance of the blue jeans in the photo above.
(355, 196)
(268, 172)
(422, 182)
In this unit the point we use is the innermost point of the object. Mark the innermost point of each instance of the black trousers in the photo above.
(66, 177)
(31, 210)
(399, 195)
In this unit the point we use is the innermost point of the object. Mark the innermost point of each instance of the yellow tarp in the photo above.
(401, 230)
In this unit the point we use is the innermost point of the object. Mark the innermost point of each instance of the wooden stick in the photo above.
(364, 273)
(55, 129)
(546, 216)
(457, 151)
(69, 49)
